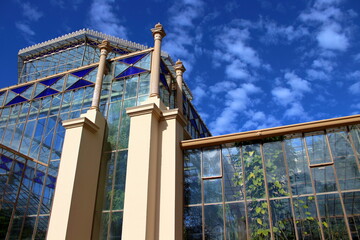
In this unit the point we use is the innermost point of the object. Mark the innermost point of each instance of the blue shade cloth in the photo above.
(19, 90)
(130, 71)
(132, 60)
(38, 180)
(79, 84)
(3, 166)
(17, 99)
(203, 128)
(163, 68)
(51, 81)
(21, 165)
(163, 80)
(52, 179)
(1, 93)
(51, 185)
(5, 159)
(83, 72)
(46, 92)
(40, 174)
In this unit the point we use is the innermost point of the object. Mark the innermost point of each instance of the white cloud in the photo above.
(25, 29)
(354, 75)
(199, 92)
(31, 12)
(222, 86)
(275, 32)
(104, 19)
(317, 74)
(355, 88)
(330, 37)
(298, 84)
(282, 95)
(357, 57)
(259, 120)
(236, 101)
(296, 110)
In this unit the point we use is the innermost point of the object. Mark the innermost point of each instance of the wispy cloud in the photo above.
(103, 18)
(31, 12)
(183, 38)
(25, 29)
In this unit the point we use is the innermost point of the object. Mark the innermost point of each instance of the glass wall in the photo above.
(304, 186)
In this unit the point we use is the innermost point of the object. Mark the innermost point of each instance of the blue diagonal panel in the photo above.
(130, 71)
(79, 84)
(83, 72)
(5, 159)
(46, 92)
(51, 81)
(132, 60)
(19, 90)
(163, 68)
(17, 99)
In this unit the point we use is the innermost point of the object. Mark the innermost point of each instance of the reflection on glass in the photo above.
(324, 179)
(258, 219)
(332, 216)
(214, 222)
(275, 169)
(299, 172)
(352, 207)
(345, 163)
(317, 148)
(211, 162)
(282, 218)
(116, 225)
(233, 174)
(192, 223)
(192, 172)
(119, 183)
(254, 174)
(212, 190)
(235, 221)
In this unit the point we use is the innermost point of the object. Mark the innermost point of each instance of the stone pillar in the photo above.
(75, 194)
(158, 33)
(104, 50)
(179, 70)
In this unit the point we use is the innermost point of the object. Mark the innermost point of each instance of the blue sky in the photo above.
(250, 64)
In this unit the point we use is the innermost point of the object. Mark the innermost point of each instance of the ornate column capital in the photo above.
(179, 68)
(158, 32)
(104, 47)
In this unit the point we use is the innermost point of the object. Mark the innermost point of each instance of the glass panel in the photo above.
(212, 191)
(131, 87)
(113, 121)
(192, 223)
(299, 172)
(144, 63)
(108, 193)
(83, 72)
(211, 162)
(130, 71)
(324, 179)
(79, 84)
(352, 206)
(119, 184)
(117, 90)
(119, 68)
(144, 84)
(306, 218)
(332, 216)
(21, 89)
(258, 219)
(275, 169)
(233, 173)
(192, 172)
(235, 221)
(51, 81)
(317, 148)
(214, 222)
(43, 222)
(254, 174)
(116, 225)
(345, 163)
(46, 92)
(282, 219)
(104, 226)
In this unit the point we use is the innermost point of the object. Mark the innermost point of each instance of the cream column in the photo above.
(158, 34)
(104, 50)
(179, 70)
(171, 192)
(76, 186)
(140, 219)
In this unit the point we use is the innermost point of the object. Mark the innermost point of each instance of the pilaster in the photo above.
(75, 194)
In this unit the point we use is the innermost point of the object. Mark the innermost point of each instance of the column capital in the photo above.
(179, 68)
(158, 32)
(104, 47)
